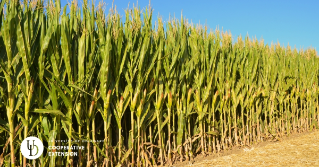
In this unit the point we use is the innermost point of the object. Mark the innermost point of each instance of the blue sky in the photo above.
(294, 22)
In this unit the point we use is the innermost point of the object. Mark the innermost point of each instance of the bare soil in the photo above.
(299, 149)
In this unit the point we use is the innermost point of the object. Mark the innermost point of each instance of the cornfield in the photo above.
(152, 96)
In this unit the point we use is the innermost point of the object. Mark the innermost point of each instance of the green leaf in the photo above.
(23, 49)
(100, 151)
(78, 88)
(66, 100)
(25, 122)
(66, 129)
(45, 125)
(164, 123)
(4, 128)
(19, 102)
(215, 133)
(107, 119)
(180, 131)
(67, 120)
(34, 122)
(126, 155)
(78, 118)
(45, 111)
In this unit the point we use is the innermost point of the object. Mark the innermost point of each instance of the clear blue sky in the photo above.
(295, 22)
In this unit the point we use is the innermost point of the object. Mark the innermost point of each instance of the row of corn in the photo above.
(153, 95)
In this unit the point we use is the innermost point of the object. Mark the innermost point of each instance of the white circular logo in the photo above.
(31, 147)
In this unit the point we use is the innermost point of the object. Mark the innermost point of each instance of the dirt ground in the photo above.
(295, 150)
